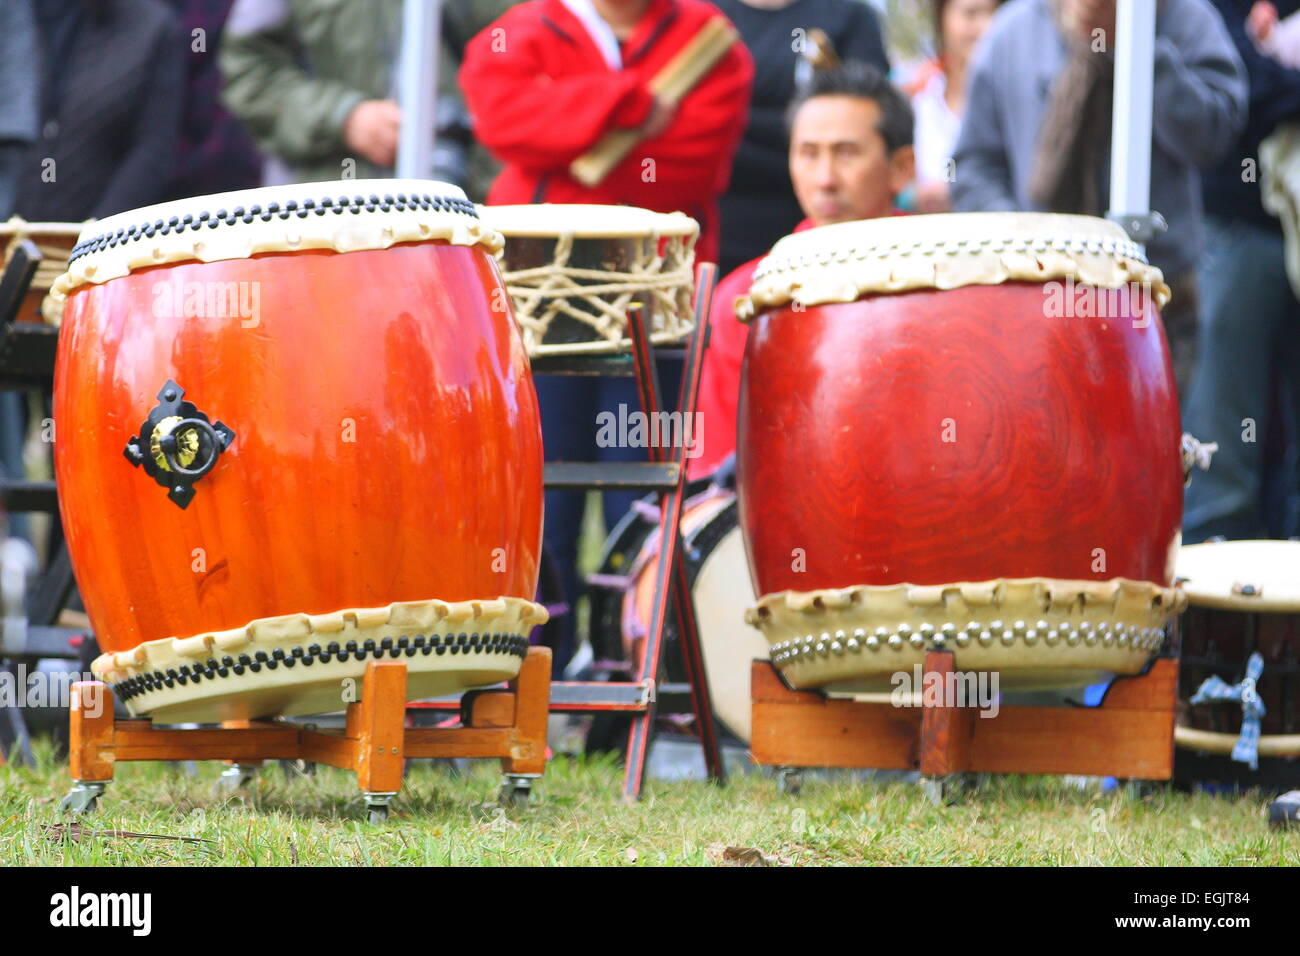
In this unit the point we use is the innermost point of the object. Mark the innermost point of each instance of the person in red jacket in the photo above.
(850, 156)
(548, 79)
(545, 83)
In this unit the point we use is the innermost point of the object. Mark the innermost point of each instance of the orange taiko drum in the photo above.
(297, 432)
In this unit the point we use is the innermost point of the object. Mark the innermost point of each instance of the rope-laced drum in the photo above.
(959, 431)
(294, 437)
(1239, 673)
(574, 271)
(54, 240)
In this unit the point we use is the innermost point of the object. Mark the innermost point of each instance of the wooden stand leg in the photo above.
(945, 728)
(238, 773)
(90, 744)
(532, 698)
(376, 723)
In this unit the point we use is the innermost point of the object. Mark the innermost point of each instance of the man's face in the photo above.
(839, 164)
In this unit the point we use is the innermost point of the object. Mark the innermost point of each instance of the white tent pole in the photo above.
(1130, 150)
(417, 90)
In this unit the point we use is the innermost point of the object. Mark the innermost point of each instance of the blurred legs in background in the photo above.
(1249, 319)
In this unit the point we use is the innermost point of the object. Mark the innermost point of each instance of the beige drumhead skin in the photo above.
(1215, 573)
(842, 262)
(722, 593)
(1038, 633)
(446, 216)
(586, 222)
(324, 683)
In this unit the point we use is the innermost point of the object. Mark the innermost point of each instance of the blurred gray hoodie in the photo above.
(19, 94)
(1199, 110)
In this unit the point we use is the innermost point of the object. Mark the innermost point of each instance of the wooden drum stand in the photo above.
(509, 723)
(1131, 734)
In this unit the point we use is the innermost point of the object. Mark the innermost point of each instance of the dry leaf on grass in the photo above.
(75, 831)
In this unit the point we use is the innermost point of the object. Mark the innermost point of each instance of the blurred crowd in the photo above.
(815, 117)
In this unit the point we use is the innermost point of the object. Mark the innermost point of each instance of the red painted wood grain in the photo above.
(939, 436)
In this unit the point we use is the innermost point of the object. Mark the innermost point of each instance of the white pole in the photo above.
(417, 91)
(1130, 149)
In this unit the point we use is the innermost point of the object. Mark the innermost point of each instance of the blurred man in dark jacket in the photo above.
(112, 79)
(759, 206)
(1250, 318)
(215, 154)
(19, 95)
(1036, 134)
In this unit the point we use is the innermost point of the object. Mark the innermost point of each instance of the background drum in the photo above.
(288, 422)
(55, 241)
(1243, 597)
(944, 441)
(719, 577)
(574, 271)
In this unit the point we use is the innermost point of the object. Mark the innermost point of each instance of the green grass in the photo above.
(576, 818)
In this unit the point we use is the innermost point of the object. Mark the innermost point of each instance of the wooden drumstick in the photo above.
(670, 85)
(821, 52)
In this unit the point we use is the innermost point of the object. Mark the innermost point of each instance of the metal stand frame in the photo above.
(667, 476)
(27, 352)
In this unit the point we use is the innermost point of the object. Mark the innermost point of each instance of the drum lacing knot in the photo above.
(1216, 689)
(1196, 454)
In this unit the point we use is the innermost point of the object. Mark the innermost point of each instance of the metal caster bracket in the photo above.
(236, 777)
(377, 805)
(516, 789)
(943, 791)
(83, 797)
(789, 780)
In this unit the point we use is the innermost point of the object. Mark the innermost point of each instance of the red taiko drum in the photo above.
(296, 431)
(959, 431)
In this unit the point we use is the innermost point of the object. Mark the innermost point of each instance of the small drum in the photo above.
(574, 271)
(1243, 597)
(959, 431)
(289, 420)
(719, 576)
(55, 241)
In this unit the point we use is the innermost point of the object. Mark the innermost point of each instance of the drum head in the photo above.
(1242, 575)
(586, 221)
(720, 584)
(722, 591)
